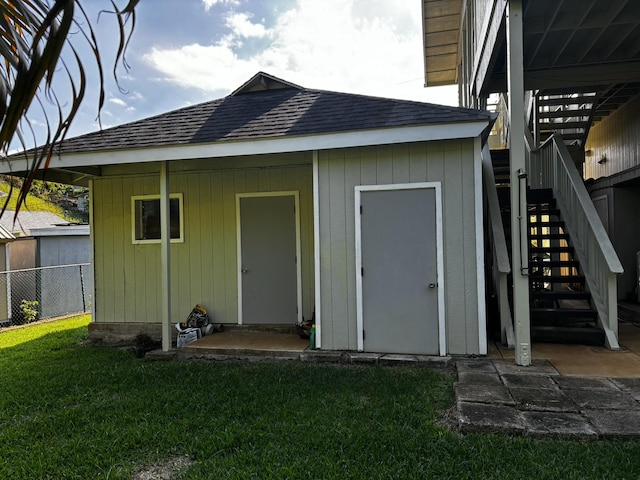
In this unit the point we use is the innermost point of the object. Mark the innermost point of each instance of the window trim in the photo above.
(135, 198)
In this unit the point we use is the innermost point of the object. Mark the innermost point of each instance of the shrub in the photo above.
(30, 310)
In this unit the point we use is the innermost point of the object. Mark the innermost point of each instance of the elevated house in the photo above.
(562, 181)
(279, 203)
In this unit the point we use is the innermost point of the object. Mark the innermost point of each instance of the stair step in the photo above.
(549, 223)
(534, 250)
(551, 314)
(554, 264)
(543, 210)
(557, 278)
(559, 295)
(565, 114)
(579, 335)
(549, 236)
(540, 195)
(552, 126)
(581, 100)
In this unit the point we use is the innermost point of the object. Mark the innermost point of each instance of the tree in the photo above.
(38, 42)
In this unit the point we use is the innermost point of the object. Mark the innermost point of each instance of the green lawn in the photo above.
(71, 411)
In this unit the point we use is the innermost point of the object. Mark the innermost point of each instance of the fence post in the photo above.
(84, 304)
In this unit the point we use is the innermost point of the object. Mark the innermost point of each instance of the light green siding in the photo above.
(339, 172)
(203, 268)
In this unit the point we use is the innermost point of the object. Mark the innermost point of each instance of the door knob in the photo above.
(244, 270)
(433, 285)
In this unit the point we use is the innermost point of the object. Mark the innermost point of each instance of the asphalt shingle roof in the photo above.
(269, 113)
(27, 221)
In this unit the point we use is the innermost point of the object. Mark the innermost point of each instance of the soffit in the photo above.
(441, 41)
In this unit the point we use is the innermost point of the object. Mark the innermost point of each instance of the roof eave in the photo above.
(271, 145)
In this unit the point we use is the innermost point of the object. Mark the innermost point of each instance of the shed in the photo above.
(6, 237)
(286, 202)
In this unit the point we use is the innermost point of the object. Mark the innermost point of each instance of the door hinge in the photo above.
(360, 209)
(363, 334)
(362, 271)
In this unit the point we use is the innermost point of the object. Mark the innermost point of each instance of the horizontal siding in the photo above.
(203, 268)
(339, 172)
(616, 138)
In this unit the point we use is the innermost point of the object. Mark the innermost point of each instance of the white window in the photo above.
(145, 214)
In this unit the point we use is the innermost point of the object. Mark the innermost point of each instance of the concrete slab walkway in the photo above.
(495, 395)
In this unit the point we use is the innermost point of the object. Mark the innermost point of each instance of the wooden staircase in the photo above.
(560, 304)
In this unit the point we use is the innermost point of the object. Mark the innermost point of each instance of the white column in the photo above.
(316, 248)
(519, 238)
(165, 257)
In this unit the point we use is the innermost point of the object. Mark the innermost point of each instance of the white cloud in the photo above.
(208, 4)
(241, 25)
(207, 68)
(371, 47)
(117, 101)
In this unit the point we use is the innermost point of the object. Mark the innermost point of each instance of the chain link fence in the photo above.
(40, 293)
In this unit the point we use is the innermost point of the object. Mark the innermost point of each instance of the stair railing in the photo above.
(551, 166)
(499, 253)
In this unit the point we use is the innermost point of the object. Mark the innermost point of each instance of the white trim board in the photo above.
(296, 196)
(382, 136)
(442, 336)
(316, 248)
(480, 279)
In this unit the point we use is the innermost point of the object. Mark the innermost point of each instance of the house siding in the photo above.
(617, 208)
(339, 172)
(617, 138)
(204, 267)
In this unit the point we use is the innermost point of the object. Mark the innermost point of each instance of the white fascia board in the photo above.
(382, 136)
(60, 231)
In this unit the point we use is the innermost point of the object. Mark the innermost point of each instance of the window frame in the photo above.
(135, 198)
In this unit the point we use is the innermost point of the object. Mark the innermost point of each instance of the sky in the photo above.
(185, 52)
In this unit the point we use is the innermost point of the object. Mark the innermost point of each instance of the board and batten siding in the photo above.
(339, 172)
(204, 266)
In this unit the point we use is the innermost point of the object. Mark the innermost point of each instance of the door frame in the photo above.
(296, 197)
(442, 338)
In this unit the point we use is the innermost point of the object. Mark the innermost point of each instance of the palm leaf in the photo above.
(33, 36)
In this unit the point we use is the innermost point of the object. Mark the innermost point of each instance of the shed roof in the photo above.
(27, 221)
(6, 235)
(267, 107)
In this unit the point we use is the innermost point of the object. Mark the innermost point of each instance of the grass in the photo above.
(72, 411)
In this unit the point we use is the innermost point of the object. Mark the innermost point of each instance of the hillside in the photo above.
(56, 198)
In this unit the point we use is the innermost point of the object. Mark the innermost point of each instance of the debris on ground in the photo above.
(165, 470)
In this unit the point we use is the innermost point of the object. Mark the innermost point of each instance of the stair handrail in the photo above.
(501, 267)
(551, 166)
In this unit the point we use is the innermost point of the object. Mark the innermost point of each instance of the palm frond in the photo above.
(33, 36)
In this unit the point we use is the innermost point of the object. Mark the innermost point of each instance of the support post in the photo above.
(165, 257)
(519, 237)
